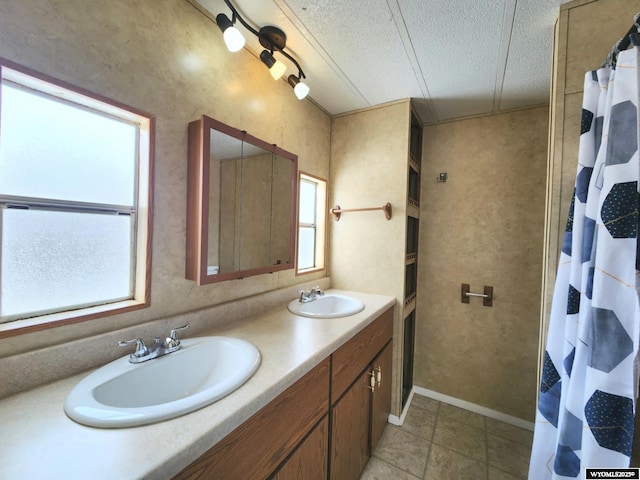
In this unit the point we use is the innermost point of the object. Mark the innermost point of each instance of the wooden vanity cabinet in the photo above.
(325, 425)
(350, 418)
(256, 448)
(381, 397)
(309, 461)
(360, 397)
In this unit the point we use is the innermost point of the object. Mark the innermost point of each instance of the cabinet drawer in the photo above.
(256, 448)
(354, 356)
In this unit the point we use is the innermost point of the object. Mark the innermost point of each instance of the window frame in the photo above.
(320, 226)
(143, 221)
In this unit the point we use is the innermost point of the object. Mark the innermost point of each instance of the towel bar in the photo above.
(487, 296)
(337, 211)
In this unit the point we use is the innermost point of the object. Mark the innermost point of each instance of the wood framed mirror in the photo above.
(241, 204)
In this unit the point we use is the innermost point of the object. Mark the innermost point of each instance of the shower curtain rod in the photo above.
(622, 44)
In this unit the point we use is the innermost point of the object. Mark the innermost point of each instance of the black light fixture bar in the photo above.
(270, 37)
(236, 15)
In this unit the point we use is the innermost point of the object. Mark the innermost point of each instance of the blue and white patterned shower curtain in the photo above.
(586, 406)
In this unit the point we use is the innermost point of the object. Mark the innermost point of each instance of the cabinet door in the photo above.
(381, 403)
(350, 431)
(257, 447)
(354, 356)
(309, 461)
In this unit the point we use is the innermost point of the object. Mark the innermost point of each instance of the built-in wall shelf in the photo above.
(414, 161)
(415, 139)
(412, 235)
(413, 187)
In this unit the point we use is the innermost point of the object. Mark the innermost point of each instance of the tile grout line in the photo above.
(433, 434)
(438, 416)
(486, 448)
(470, 425)
(392, 465)
(396, 466)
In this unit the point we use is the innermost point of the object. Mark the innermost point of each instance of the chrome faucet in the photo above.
(310, 295)
(161, 347)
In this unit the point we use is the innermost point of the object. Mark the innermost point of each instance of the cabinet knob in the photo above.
(378, 371)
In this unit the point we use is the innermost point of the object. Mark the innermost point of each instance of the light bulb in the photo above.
(276, 67)
(301, 90)
(233, 39)
(277, 70)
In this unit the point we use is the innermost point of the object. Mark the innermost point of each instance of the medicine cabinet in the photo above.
(241, 204)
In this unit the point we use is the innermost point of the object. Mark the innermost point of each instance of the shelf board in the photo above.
(409, 305)
(413, 208)
(414, 163)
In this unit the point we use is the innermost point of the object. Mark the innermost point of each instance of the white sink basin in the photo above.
(329, 305)
(122, 394)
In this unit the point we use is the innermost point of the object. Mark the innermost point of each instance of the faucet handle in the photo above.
(174, 336)
(172, 341)
(141, 348)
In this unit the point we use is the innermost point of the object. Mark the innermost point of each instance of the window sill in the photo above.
(309, 270)
(44, 322)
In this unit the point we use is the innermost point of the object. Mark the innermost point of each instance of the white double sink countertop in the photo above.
(40, 442)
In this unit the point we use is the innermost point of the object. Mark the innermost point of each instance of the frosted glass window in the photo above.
(306, 247)
(63, 260)
(74, 202)
(54, 149)
(307, 202)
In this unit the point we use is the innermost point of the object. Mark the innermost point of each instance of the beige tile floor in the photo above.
(442, 442)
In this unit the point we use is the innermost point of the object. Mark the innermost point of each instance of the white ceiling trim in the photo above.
(508, 20)
(401, 26)
(308, 36)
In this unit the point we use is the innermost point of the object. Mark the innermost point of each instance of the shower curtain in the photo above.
(586, 405)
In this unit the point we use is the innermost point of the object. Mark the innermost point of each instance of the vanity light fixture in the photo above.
(272, 39)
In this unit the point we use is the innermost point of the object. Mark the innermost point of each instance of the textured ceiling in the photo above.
(455, 58)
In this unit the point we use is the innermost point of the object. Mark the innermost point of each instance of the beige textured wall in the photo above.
(164, 57)
(484, 226)
(585, 33)
(369, 151)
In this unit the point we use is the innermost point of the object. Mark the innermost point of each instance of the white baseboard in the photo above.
(472, 407)
(398, 421)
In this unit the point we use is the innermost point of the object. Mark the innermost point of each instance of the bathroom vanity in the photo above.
(308, 407)
(346, 397)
